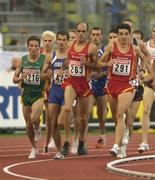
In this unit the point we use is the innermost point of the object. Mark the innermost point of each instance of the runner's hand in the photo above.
(49, 74)
(83, 60)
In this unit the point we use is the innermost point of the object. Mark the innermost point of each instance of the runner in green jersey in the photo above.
(29, 75)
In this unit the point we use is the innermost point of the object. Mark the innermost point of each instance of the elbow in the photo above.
(14, 81)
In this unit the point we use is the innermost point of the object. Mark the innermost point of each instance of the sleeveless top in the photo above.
(76, 68)
(56, 65)
(32, 82)
(124, 68)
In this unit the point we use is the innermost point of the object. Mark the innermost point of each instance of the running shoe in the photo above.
(65, 148)
(122, 152)
(114, 150)
(51, 144)
(59, 155)
(37, 133)
(82, 150)
(143, 147)
(33, 153)
(101, 142)
(74, 147)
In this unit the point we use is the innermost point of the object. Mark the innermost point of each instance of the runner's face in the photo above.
(61, 41)
(112, 37)
(33, 47)
(123, 36)
(82, 33)
(47, 42)
(72, 36)
(96, 36)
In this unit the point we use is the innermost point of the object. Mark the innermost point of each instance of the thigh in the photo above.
(101, 102)
(113, 106)
(124, 101)
(53, 111)
(37, 108)
(148, 98)
(134, 108)
(91, 104)
(69, 96)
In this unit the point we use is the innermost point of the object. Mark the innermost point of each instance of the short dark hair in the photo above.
(124, 26)
(97, 28)
(137, 31)
(33, 38)
(64, 33)
(82, 23)
(114, 30)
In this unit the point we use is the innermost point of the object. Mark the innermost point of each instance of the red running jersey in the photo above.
(76, 68)
(125, 67)
(78, 72)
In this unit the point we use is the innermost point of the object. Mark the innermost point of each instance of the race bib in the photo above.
(134, 82)
(76, 68)
(58, 79)
(33, 76)
(122, 68)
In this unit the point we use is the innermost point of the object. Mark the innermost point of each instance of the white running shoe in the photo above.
(114, 150)
(59, 155)
(37, 133)
(33, 153)
(125, 139)
(51, 144)
(74, 146)
(122, 152)
(143, 147)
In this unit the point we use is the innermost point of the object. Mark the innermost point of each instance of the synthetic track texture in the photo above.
(14, 153)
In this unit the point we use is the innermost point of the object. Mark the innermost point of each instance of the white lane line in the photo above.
(51, 152)
(136, 164)
(111, 166)
(8, 171)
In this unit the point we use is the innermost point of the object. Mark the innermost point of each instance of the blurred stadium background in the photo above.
(22, 18)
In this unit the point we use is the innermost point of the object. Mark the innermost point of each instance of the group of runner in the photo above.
(72, 71)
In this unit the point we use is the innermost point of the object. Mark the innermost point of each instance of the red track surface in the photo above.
(90, 167)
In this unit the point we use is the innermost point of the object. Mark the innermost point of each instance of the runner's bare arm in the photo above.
(17, 78)
(65, 64)
(141, 56)
(92, 59)
(93, 54)
(103, 61)
(148, 57)
(46, 72)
